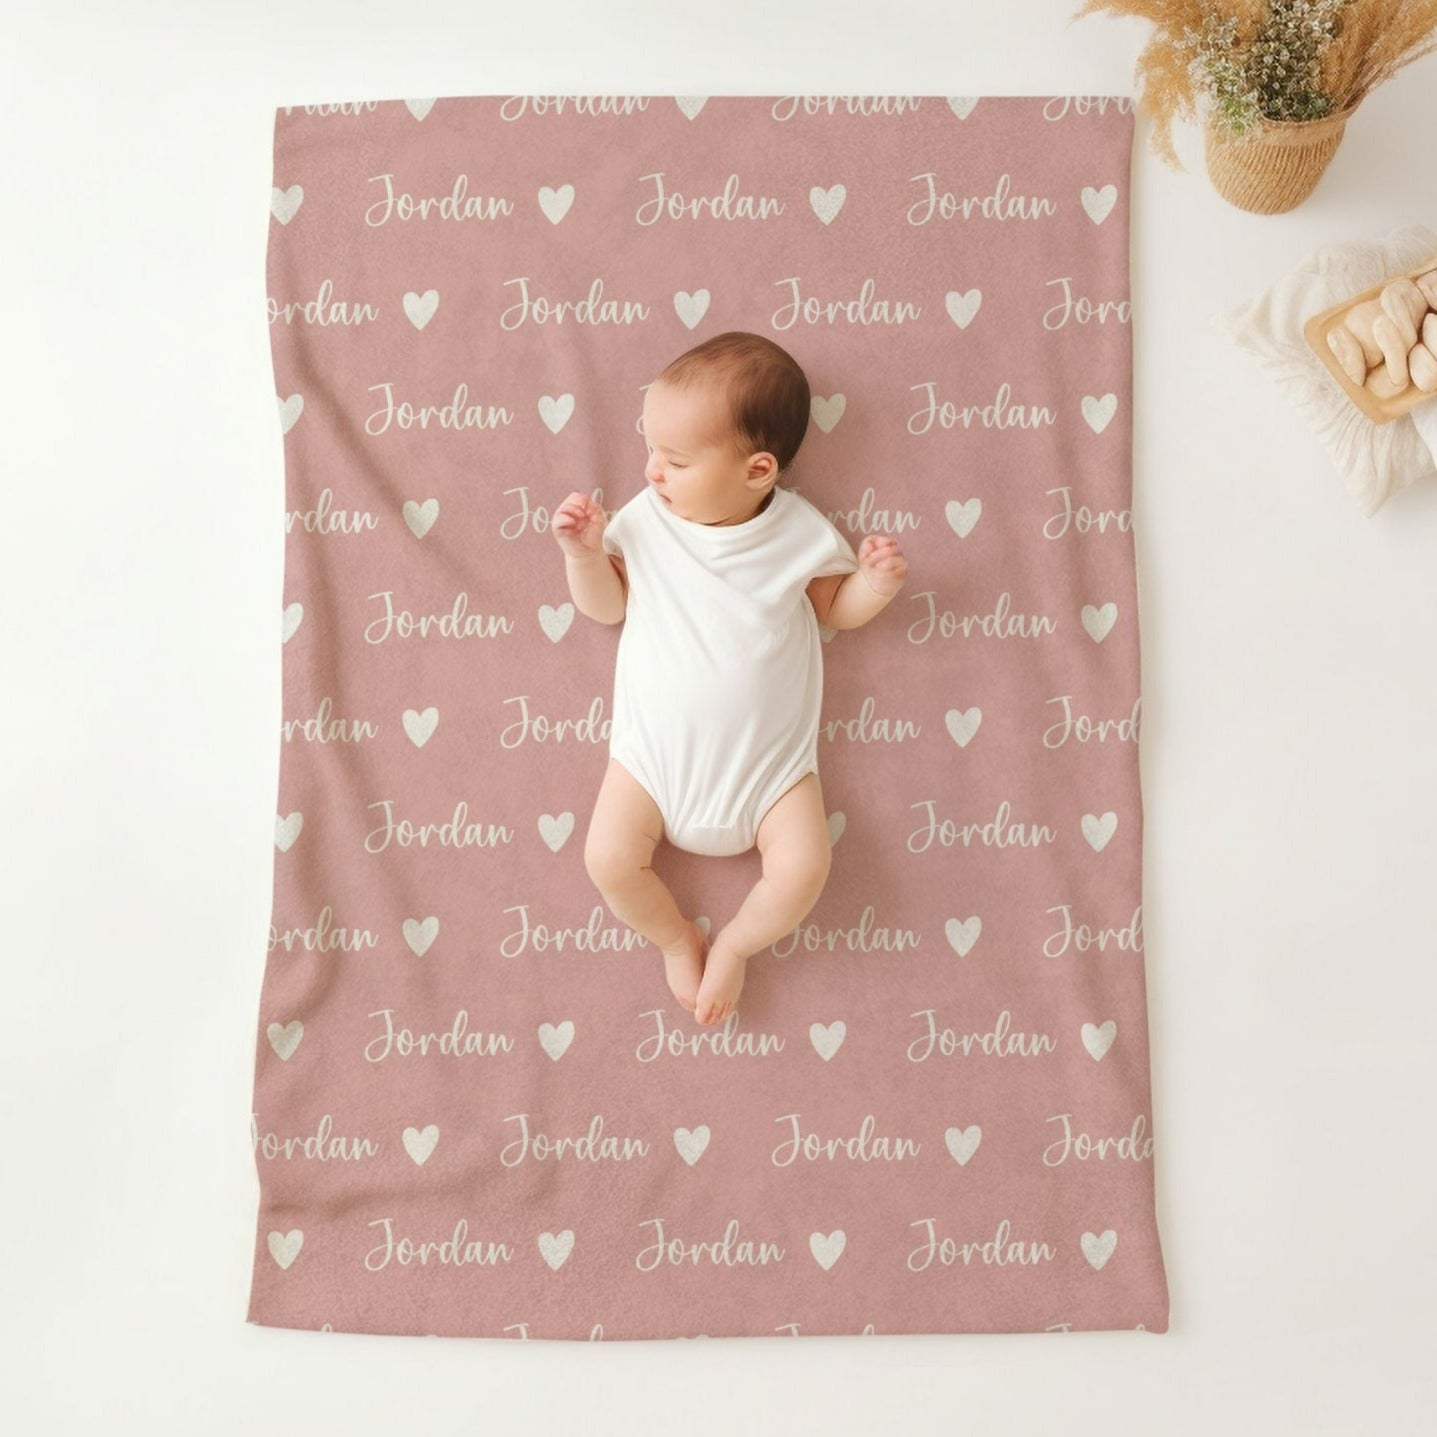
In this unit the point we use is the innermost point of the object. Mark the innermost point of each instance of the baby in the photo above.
(722, 579)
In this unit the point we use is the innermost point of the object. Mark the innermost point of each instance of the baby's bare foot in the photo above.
(722, 982)
(684, 965)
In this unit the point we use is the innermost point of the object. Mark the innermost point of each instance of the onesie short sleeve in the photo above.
(833, 553)
(616, 530)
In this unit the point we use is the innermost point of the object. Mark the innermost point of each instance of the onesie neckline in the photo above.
(719, 533)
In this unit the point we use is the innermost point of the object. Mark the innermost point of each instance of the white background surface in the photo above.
(1288, 755)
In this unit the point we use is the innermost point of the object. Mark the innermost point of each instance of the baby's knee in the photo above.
(803, 868)
(598, 858)
(609, 863)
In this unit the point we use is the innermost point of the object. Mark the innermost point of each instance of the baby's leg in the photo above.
(793, 839)
(623, 833)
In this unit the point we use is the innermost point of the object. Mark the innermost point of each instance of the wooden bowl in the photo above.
(1316, 330)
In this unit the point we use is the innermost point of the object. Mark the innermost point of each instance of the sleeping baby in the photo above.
(721, 578)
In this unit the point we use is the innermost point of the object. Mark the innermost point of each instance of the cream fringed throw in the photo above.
(1375, 461)
(477, 1110)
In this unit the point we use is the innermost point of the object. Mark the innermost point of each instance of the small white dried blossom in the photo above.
(1277, 77)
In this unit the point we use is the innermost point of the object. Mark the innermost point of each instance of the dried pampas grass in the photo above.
(1255, 61)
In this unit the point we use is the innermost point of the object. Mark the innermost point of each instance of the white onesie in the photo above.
(719, 673)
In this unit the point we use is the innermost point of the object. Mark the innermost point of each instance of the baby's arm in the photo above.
(597, 580)
(847, 601)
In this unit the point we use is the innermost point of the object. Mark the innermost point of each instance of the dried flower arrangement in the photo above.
(1255, 63)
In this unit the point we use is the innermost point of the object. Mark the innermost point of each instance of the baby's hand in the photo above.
(882, 564)
(579, 524)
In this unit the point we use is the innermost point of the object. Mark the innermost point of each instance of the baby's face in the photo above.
(692, 463)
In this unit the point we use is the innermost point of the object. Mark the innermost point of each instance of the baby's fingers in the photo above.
(575, 511)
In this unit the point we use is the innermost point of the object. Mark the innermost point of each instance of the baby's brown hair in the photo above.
(762, 384)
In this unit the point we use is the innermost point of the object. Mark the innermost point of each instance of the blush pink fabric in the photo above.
(478, 1111)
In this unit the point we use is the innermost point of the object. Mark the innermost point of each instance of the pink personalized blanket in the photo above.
(478, 1110)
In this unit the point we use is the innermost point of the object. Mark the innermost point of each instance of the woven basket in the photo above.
(1276, 166)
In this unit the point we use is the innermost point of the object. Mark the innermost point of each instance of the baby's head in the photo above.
(722, 424)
